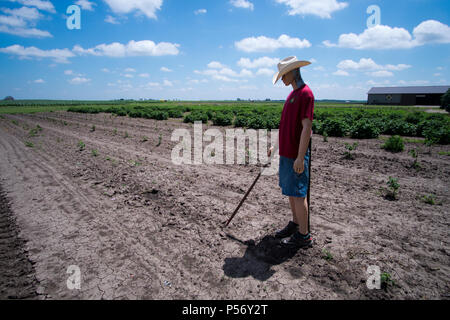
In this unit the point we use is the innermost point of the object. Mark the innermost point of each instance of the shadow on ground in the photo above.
(258, 258)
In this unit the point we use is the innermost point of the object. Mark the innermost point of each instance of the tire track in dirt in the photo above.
(17, 275)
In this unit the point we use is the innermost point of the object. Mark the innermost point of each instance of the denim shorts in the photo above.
(291, 183)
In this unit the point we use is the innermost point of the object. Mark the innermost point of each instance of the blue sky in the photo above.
(217, 50)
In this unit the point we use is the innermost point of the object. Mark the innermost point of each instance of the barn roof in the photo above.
(409, 90)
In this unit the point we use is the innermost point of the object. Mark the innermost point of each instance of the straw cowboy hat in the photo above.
(286, 65)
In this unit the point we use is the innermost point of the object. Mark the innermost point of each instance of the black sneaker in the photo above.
(298, 240)
(289, 230)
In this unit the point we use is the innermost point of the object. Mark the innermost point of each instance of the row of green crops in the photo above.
(356, 122)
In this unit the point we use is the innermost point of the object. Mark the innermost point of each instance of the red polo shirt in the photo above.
(298, 106)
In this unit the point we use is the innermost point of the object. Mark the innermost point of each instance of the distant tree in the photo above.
(9, 98)
(445, 101)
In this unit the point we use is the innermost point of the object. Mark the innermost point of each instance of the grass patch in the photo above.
(81, 145)
(327, 255)
(29, 144)
(94, 152)
(444, 153)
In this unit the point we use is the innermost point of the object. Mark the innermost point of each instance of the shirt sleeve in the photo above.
(307, 108)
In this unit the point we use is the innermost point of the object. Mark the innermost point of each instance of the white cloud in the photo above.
(130, 70)
(319, 68)
(321, 8)
(262, 62)
(144, 75)
(79, 80)
(385, 37)
(128, 75)
(68, 72)
(40, 4)
(86, 5)
(111, 20)
(367, 64)
(381, 74)
(58, 55)
(164, 69)
(265, 72)
(17, 21)
(437, 74)
(106, 70)
(200, 11)
(24, 13)
(26, 32)
(376, 83)
(341, 73)
(132, 49)
(146, 7)
(39, 81)
(216, 65)
(12, 21)
(432, 31)
(167, 83)
(242, 4)
(262, 43)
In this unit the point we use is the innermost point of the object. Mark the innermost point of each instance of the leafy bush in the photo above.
(437, 132)
(394, 144)
(400, 127)
(175, 113)
(135, 114)
(364, 129)
(196, 116)
(241, 121)
(257, 122)
(159, 115)
(414, 117)
(223, 119)
(335, 127)
(445, 101)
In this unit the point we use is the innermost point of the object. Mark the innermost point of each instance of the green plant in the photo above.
(437, 132)
(429, 199)
(325, 136)
(394, 144)
(414, 154)
(29, 144)
(14, 122)
(393, 188)
(335, 127)
(81, 145)
(159, 140)
(95, 152)
(364, 129)
(126, 134)
(350, 148)
(386, 280)
(115, 131)
(445, 101)
(444, 153)
(327, 255)
(93, 128)
(144, 139)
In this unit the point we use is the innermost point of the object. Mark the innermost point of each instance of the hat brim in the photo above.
(297, 64)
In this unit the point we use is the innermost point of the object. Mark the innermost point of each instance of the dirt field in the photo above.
(140, 227)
